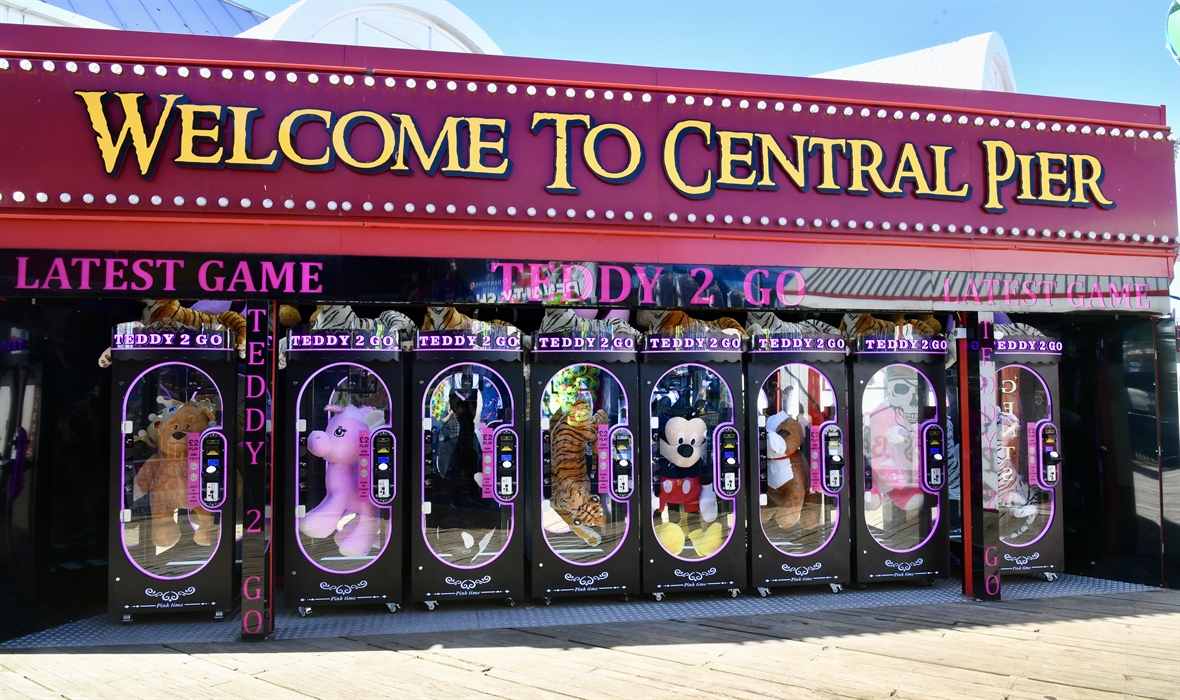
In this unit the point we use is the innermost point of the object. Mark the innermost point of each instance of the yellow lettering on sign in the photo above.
(480, 131)
(941, 190)
(857, 148)
(1025, 193)
(827, 147)
(342, 131)
(909, 169)
(729, 142)
(635, 154)
(447, 144)
(1051, 178)
(771, 154)
(133, 134)
(192, 134)
(239, 157)
(672, 158)
(999, 170)
(563, 125)
(289, 128)
(1083, 181)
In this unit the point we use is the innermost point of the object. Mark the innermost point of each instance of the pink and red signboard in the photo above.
(188, 127)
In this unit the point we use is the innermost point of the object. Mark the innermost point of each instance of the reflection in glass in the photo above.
(463, 528)
(341, 529)
(896, 401)
(688, 403)
(1025, 509)
(167, 537)
(579, 406)
(796, 518)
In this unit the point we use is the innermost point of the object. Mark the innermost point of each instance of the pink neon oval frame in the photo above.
(509, 406)
(626, 504)
(835, 410)
(123, 473)
(384, 510)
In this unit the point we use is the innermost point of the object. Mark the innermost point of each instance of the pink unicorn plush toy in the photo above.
(339, 446)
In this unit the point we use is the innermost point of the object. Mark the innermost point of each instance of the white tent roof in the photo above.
(209, 17)
(975, 63)
(434, 25)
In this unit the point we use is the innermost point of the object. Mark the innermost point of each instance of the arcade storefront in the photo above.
(318, 326)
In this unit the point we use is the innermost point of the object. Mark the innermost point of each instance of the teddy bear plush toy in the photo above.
(339, 446)
(789, 498)
(685, 481)
(163, 475)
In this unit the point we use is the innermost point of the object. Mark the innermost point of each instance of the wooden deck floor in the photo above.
(1109, 646)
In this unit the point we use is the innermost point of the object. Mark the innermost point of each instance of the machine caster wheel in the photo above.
(836, 587)
(1051, 577)
(127, 619)
(512, 602)
(547, 601)
(219, 615)
(929, 583)
(658, 596)
(304, 611)
(625, 598)
(763, 591)
(860, 586)
(430, 604)
(733, 592)
(393, 607)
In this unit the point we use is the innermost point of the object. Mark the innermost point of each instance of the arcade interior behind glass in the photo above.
(54, 500)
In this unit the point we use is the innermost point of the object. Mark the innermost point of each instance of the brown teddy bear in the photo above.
(163, 475)
(789, 500)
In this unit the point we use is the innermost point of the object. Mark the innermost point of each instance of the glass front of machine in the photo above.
(583, 408)
(689, 404)
(900, 513)
(339, 527)
(166, 531)
(463, 521)
(1026, 509)
(797, 515)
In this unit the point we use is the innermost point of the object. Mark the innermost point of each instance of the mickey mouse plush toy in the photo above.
(685, 480)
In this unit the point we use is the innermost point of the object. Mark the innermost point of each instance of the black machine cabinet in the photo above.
(1029, 459)
(798, 472)
(22, 523)
(468, 445)
(693, 506)
(582, 503)
(900, 480)
(175, 524)
(344, 427)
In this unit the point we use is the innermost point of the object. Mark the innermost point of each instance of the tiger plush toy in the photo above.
(327, 317)
(570, 482)
(168, 313)
(330, 317)
(857, 325)
(563, 320)
(448, 318)
(666, 321)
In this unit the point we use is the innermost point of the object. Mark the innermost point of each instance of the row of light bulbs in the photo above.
(590, 94)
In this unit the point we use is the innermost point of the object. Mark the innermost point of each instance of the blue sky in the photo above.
(1093, 49)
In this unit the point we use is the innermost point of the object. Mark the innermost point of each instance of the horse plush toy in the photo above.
(163, 475)
(339, 446)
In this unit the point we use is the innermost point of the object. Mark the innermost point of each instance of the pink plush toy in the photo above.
(339, 446)
(895, 464)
